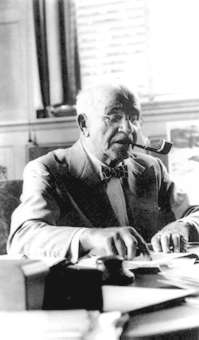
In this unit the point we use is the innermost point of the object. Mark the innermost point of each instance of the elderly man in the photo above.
(99, 197)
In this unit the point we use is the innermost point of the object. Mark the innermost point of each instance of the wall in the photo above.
(14, 140)
(157, 114)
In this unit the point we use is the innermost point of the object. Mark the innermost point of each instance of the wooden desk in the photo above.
(180, 322)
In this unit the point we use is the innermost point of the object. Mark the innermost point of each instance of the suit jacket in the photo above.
(62, 192)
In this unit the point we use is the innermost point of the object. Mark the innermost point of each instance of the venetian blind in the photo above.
(150, 44)
(113, 41)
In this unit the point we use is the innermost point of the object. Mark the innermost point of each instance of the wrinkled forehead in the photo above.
(111, 99)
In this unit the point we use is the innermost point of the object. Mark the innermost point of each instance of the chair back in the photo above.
(10, 192)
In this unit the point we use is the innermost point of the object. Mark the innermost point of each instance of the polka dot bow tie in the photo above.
(120, 171)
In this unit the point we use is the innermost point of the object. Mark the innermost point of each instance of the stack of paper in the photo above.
(160, 260)
(183, 273)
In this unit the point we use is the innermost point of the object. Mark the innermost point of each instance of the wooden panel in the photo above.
(36, 151)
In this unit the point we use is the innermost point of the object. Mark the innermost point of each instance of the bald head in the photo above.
(96, 99)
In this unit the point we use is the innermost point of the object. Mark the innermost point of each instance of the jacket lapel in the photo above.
(135, 170)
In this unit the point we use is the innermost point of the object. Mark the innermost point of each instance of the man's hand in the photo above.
(172, 238)
(124, 241)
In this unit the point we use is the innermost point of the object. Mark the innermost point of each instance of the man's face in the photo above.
(112, 127)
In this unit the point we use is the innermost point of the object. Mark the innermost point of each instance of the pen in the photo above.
(144, 250)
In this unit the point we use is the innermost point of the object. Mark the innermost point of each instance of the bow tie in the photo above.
(120, 171)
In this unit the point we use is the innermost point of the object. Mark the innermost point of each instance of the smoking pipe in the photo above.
(160, 146)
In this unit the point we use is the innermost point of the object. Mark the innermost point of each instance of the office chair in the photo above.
(10, 191)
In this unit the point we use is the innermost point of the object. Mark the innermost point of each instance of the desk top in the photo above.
(171, 323)
(179, 320)
(175, 322)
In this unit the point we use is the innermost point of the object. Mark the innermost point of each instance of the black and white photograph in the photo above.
(99, 169)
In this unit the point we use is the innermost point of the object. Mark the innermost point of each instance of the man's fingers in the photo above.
(136, 234)
(165, 241)
(175, 242)
(120, 245)
(156, 243)
(132, 244)
(183, 244)
(126, 245)
(142, 246)
(168, 242)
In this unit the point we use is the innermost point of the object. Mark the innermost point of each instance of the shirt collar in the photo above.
(96, 162)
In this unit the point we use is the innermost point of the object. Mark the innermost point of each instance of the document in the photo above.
(159, 260)
(183, 273)
(128, 299)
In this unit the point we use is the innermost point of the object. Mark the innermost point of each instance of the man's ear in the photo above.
(82, 121)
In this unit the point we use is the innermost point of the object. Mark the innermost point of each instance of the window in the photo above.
(149, 44)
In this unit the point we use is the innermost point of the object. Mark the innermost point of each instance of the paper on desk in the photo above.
(183, 270)
(184, 274)
(127, 298)
(158, 259)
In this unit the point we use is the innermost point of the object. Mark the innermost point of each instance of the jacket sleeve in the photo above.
(34, 230)
(177, 200)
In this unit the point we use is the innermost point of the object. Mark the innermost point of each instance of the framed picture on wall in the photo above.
(183, 161)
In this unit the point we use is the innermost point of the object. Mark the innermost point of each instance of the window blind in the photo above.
(113, 41)
(150, 44)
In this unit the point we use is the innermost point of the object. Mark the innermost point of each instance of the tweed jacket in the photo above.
(62, 193)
